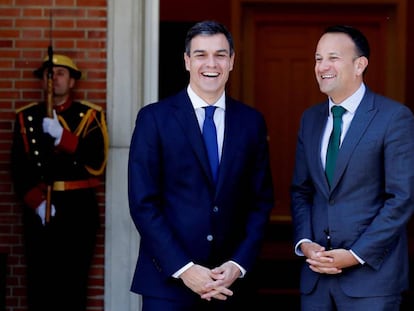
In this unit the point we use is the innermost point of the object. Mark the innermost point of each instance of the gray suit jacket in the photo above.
(371, 199)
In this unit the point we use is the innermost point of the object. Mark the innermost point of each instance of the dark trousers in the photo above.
(157, 304)
(58, 258)
(244, 295)
(328, 296)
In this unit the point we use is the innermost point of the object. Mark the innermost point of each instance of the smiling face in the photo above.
(209, 64)
(338, 67)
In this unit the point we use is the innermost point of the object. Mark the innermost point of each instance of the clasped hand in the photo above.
(211, 283)
(328, 262)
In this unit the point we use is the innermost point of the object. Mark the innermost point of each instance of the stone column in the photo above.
(132, 77)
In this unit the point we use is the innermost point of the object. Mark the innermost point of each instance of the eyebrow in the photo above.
(217, 51)
(330, 54)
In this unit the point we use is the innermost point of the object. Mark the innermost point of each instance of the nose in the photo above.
(211, 61)
(322, 65)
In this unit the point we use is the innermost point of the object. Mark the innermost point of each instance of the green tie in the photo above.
(333, 147)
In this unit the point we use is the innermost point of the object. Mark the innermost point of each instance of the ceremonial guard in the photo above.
(66, 153)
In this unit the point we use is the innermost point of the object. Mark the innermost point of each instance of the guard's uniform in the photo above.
(59, 254)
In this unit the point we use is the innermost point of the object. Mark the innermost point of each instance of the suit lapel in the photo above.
(184, 113)
(316, 144)
(230, 141)
(363, 116)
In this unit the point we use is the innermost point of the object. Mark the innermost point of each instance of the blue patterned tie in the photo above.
(334, 141)
(210, 140)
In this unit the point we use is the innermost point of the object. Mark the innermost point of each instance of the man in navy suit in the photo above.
(200, 238)
(352, 230)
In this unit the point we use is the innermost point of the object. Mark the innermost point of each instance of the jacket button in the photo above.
(210, 238)
(215, 209)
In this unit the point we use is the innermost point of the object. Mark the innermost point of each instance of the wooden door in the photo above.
(276, 74)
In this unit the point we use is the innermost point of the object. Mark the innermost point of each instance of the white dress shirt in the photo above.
(199, 104)
(350, 104)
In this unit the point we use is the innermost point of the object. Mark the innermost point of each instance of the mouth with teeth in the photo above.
(327, 76)
(210, 74)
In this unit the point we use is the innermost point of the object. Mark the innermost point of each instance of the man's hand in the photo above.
(328, 262)
(200, 279)
(53, 127)
(332, 261)
(309, 249)
(224, 276)
(41, 211)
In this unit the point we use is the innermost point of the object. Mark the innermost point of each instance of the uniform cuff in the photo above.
(35, 196)
(68, 143)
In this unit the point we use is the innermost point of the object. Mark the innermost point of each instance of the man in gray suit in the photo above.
(352, 230)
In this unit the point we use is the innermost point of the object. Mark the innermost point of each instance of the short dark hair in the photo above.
(208, 28)
(359, 39)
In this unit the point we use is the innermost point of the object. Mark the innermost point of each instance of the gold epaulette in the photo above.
(26, 107)
(91, 105)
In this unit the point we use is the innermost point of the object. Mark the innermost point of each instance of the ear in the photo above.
(71, 82)
(361, 64)
(187, 61)
(232, 61)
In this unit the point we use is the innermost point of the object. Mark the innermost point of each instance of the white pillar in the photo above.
(132, 82)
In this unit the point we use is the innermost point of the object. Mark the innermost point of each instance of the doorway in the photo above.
(276, 69)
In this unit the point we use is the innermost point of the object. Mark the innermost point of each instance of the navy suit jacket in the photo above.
(371, 199)
(178, 211)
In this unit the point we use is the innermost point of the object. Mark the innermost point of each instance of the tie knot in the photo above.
(210, 111)
(338, 111)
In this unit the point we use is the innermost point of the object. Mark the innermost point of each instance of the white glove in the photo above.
(53, 127)
(41, 211)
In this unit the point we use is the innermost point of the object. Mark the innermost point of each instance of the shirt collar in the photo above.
(352, 102)
(198, 102)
